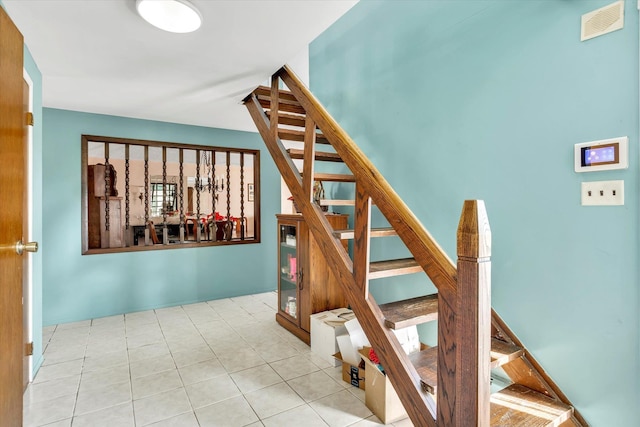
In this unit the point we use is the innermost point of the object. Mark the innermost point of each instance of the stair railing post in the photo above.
(274, 107)
(474, 315)
(308, 162)
(361, 241)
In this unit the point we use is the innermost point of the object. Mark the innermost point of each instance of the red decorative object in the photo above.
(373, 357)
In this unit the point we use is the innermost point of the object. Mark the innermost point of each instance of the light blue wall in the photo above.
(36, 221)
(82, 287)
(485, 99)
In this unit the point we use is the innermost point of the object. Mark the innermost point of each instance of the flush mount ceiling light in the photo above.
(176, 16)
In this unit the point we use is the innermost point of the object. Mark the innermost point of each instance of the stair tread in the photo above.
(394, 267)
(321, 156)
(284, 95)
(503, 352)
(298, 135)
(375, 232)
(518, 405)
(333, 177)
(409, 312)
(337, 202)
(298, 120)
(283, 105)
(426, 361)
(426, 364)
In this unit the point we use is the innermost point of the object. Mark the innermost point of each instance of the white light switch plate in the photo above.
(603, 193)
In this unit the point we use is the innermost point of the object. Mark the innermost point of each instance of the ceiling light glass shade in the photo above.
(176, 16)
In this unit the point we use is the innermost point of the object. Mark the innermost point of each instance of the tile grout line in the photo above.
(197, 317)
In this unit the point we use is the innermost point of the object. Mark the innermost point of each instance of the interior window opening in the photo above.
(140, 195)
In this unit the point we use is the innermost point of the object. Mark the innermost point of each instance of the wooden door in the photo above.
(304, 276)
(12, 178)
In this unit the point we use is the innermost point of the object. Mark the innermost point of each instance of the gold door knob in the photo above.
(29, 247)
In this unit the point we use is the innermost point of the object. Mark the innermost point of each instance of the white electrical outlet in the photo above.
(603, 193)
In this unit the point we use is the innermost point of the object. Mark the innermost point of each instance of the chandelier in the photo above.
(210, 182)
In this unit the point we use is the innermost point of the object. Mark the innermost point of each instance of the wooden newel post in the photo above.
(464, 327)
(474, 315)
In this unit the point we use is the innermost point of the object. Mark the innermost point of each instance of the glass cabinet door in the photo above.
(288, 270)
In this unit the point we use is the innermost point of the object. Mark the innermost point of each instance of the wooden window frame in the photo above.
(136, 197)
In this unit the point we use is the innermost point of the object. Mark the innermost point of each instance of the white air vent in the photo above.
(602, 21)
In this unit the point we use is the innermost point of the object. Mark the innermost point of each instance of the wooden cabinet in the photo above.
(98, 237)
(113, 237)
(305, 282)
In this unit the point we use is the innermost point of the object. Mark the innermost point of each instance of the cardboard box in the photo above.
(354, 375)
(325, 327)
(379, 395)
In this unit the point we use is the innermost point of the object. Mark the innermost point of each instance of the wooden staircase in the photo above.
(472, 338)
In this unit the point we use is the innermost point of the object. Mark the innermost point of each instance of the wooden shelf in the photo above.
(287, 280)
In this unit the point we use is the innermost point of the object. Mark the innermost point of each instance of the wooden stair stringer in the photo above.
(528, 372)
(399, 367)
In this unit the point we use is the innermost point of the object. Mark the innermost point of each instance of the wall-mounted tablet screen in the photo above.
(601, 155)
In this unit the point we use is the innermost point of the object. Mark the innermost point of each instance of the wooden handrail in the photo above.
(424, 248)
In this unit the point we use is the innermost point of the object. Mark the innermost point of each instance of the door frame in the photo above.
(28, 273)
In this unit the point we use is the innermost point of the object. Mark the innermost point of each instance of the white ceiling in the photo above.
(99, 56)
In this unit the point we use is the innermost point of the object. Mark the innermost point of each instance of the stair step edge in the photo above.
(297, 135)
(319, 156)
(409, 312)
(297, 120)
(288, 106)
(503, 352)
(517, 405)
(336, 202)
(375, 232)
(333, 177)
(396, 267)
(282, 93)
(426, 362)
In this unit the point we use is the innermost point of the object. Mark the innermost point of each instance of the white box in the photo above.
(347, 350)
(325, 327)
(350, 343)
(409, 339)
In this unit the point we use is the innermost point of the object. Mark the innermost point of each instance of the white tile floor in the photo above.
(220, 363)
